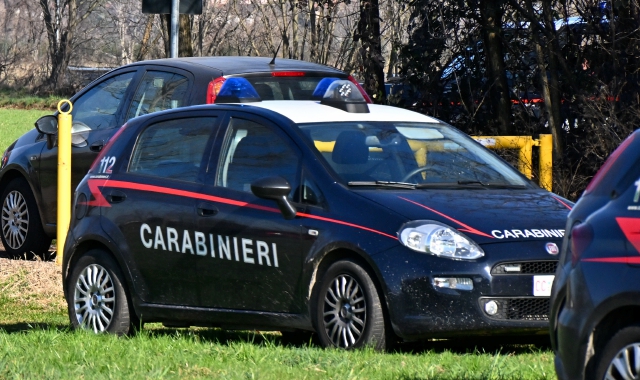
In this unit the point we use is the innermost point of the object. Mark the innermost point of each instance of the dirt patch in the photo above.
(32, 282)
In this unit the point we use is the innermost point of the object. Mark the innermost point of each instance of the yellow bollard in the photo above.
(546, 161)
(64, 178)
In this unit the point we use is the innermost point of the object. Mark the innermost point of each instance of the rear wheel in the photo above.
(21, 228)
(97, 298)
(619, 357)
(348, 310)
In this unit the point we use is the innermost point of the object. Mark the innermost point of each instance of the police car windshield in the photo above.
(425, 154)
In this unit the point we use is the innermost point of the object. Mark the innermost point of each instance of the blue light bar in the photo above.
(344, 95)
(237, 90)
(322, 86)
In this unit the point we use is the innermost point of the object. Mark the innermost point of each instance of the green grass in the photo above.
(21, 100)
(36, 342)
(15, 122)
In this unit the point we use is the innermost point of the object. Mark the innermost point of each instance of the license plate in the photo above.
(542, 285)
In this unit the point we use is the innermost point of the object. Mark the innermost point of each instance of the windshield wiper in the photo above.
(454, 185)
(468, 185)
(393, 184)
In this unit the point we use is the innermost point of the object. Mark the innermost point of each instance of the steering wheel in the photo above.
(414, 172)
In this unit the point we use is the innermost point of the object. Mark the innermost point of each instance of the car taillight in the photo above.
(581, 238)
(214, 89)
(595, 181)
(5, 158)
(288, 74)
(106, 148)
(362, 91)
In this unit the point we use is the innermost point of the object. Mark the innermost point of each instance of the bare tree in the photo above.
(61, 19)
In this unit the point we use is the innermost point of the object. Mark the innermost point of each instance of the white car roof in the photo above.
(314, 112)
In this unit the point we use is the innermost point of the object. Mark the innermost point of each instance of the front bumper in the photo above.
(419, 309)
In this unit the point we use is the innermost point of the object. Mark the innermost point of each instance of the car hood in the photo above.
(487, 216)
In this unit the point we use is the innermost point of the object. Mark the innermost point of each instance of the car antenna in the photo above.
(273, 61)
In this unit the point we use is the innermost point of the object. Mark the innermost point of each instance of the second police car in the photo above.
(363, 223)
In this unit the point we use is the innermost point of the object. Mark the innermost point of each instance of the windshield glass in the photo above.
(423, 154)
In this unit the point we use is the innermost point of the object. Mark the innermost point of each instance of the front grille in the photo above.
(519, 309)
(526, 267)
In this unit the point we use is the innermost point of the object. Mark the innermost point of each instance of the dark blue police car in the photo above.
(595, 329)
(363, 223)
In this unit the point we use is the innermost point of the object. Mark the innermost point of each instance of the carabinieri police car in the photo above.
(364, 223)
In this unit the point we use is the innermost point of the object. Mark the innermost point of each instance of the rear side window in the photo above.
(158, 91)
(173, 149)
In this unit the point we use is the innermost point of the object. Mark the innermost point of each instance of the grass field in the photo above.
(15, 122)
(36, 342)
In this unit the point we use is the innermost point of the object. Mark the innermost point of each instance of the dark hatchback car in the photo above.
(361, 223)
(29, 165)
(595, 325)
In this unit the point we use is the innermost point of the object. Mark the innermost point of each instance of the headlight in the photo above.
(438, 239)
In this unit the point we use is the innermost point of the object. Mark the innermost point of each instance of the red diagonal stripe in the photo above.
(100, 200)
(563, 203)
(466, 228)
(631, 229)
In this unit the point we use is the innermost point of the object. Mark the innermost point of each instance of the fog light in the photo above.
(491, 307)
(459, 283)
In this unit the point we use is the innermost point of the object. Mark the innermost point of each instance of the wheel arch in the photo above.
(361, 258)
(612, 320)
(90, 244)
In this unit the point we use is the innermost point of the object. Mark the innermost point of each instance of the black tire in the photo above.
(97, 297)
(348, 312)
(20, 225)
(617, 353)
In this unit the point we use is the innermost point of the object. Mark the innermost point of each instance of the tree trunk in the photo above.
(59, 42)
(491, 14)
(144, 45)
(371, 49)
(185, 47)
(553, 109)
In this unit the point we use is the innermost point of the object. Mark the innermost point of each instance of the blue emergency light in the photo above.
(237, 90)
(322, 86)
(344, 95)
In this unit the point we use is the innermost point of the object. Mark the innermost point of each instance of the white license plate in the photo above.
(542, 285)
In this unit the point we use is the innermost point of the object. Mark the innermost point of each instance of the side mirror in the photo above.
(276, 188)
(48, 125)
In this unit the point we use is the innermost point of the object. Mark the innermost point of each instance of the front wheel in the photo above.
(21, 228)
(620, 356)
(96, 296)
(348, 309)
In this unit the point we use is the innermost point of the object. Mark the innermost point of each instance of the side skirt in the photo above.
(223, 318)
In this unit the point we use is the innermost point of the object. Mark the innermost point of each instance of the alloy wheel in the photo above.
(626, 364)
(15, 219)
(344, 314)
(94, 298)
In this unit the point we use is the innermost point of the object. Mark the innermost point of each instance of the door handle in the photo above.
(116, 196)
(207, 209)
(97, 146)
